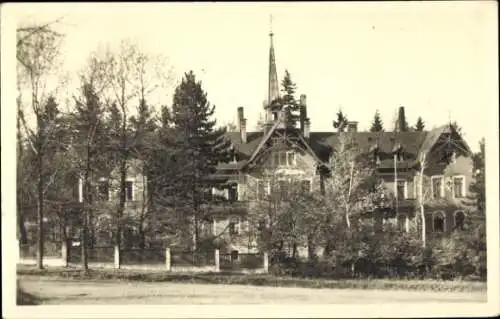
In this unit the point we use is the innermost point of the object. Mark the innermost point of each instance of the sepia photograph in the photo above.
(250, 159)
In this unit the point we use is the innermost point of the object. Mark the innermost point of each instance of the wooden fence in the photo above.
(148, 258)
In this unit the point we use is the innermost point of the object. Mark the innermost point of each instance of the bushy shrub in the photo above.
(251, 261)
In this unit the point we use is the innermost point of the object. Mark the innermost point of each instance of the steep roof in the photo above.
(413, 143)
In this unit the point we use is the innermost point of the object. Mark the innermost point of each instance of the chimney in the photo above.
(401, 120)
(303, 112)
(352, 126)
(242, 124)
(307, 128)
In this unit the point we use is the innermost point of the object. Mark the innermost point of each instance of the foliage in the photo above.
(377, 125)
(198, 145)
(289, 101)
(341, 122)
(419, 127)
(345, 186)
(37, 52)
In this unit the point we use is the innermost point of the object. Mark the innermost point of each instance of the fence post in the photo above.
(266, 262)
(168, 263)
(64, 253)
(217, 261)
(117, 257)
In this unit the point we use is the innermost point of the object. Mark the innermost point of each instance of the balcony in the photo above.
(226, 207)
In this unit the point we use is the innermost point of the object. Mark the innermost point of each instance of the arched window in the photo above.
(459, 220)
(438, 222)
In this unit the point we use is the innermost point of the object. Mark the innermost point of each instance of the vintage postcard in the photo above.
(250, 159)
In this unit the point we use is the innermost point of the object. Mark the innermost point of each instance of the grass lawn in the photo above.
(250, 279)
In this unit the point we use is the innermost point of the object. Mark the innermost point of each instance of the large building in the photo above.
(278, 156)
(299, 154)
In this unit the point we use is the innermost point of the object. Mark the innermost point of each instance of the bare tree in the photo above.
(131, 75)
(349, 171)
(37, 57)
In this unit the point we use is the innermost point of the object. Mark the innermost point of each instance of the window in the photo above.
(275, 116)
(261, 225)
(458, 186)
(291, 158)
(284, 158)
(437, 186)
(401, 223)
(233, 193)
(305, 186)
(416, 186)
(453, 158)
(438, 222)
(401, 188)
(459, 220)
(219, 193)
(234, 226)
(207, 227)
(129, 191)
(103, 190)
(283, 188)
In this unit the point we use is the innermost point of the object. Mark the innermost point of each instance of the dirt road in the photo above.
(72, 292)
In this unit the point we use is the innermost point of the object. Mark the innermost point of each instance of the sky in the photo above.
(437, 59)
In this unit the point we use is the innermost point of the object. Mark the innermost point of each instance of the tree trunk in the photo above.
(421, 199)
(142, 237)
(85, 216)
(91, 229)
(328, 248)
(422, 217)
(311, 254)
(40, 233)
(22, 227)
(347, 220)
(84, 240)
(121, 204)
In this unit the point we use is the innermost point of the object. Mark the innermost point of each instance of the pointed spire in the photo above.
(273, 88)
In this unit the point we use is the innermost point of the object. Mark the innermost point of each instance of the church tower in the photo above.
(272, 109)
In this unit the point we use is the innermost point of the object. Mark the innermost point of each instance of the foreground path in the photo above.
(67, 292)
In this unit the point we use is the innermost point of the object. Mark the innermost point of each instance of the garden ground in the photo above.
(52, 291)
(70, 286)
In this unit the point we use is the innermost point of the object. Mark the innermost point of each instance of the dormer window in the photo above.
(275, 116)
(284, 158)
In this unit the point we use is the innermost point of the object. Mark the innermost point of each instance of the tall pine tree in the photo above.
(198, 148)
(341, 122)
(289, 102)
(377, 125)
(89, 153)
(419, 127)
(144, 128)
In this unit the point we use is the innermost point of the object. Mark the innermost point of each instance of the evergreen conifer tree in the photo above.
(341, 122)
(419, 127)
(197, 148)
(288, 99)
(377, 125)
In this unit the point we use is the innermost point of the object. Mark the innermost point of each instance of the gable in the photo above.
(321, 144)
(445, 139)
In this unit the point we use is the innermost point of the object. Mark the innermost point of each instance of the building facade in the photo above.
(431, 168)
